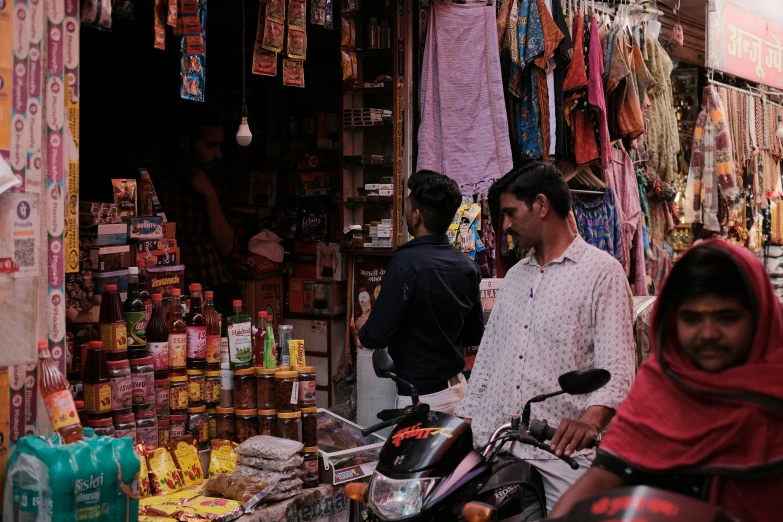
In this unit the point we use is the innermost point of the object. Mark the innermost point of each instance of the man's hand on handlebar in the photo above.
(571, 436)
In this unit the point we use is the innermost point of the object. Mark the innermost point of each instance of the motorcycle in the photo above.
(429, 470)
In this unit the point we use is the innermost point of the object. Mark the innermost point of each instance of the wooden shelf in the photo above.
(385, 89)
(362, 250)
(365, 200)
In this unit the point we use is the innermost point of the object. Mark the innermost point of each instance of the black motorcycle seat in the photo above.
(508, 470)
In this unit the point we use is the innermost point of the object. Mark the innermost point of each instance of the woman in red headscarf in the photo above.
(705, 415)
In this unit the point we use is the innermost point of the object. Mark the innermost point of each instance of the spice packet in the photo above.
(293, 73)
(296, 349)
(350, 70)
(297, 43)
(273, 36)
(348, 32)
(275, 10)
(97, 14)
(264, 63)
(165, 478)
(144, 475)
(192, 87)
(125, 196)
(185, 454)
(223, 458)
(297, 14)
(318, 12)
(172, 13)
(329, 15)
(160, 27)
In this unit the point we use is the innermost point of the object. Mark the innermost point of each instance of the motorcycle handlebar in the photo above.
(381, 425)
(543, 431)
(386, 415)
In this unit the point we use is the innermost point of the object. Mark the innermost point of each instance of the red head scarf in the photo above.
(730, 424)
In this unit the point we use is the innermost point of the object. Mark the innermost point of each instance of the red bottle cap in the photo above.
(176, 292)
(237, 303)
(95, 345)
(157, 298)
(141, 263)
(110, 288)
(262, 314)
(195, 286)
(43, 345)
(209, 294)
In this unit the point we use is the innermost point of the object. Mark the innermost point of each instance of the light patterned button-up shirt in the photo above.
(575, 312)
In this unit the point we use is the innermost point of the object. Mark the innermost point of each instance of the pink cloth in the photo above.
(595, 94)
(621, 178)
(464, 130)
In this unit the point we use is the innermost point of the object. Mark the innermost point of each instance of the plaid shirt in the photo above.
(183, 205)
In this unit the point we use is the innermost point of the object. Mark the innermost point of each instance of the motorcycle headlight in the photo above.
(398, 499)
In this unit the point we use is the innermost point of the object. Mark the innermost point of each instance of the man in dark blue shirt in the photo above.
(429, 306)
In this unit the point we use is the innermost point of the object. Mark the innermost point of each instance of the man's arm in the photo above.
(219, 228)
(397, 289)
(613, 348)
(473, 329)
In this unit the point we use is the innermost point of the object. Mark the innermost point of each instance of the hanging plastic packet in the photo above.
(275, 10)
(677, 35)
(329, 18)
(193, 71)
(172, 13)
(264, 63)
(297, 43)
(297, 14)
(160, 26)
(125, 196)
(194, 45)
(348, 32)
(273, 35)
(97, 14)
(293, 73)
(122, 9)
(350, 71)
(318, 12)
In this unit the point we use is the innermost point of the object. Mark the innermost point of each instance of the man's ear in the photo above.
(417, 217)
(543, 206)
(184, 143)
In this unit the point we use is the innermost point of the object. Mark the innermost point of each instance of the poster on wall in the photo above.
(745, 39)
(368, 275)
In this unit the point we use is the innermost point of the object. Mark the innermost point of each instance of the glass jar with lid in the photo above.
(198, 425)
(289, 426)
(287, 387)
(245, 389)
(125, 426)
(267, 423)
(164, 430)
(265, 384)
(309, 427)
(162, 401)
(306, 386)
(196, 385)
(212, 388)
(224, 424)
(212, 413)
(147, 428)
(310, 477)
(178, 395)
(178, 425)
(103, 427)
(246, 424)
(143, 382)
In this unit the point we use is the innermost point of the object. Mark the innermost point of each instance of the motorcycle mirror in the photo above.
(383, 364)
(580, 382)
(479, 512)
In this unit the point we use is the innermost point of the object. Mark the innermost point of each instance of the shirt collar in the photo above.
(574, 253)
(431, 239)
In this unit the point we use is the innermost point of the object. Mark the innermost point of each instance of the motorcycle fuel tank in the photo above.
(433, 442)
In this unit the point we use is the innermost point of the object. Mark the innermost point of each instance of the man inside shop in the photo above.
(565, 307)
(192, 195)
(429, 305)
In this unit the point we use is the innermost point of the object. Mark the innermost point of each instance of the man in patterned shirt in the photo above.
(566, 307)
(191, 195)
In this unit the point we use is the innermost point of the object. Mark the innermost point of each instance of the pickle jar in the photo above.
(125, 426)
(267, 422)
(212, 423)
(265, 383)
(245, 389)
(212, 389)
(196, 385)
(178, 423)
(162, 401)
(198, 425)
(147, 428)
(306, 386)
(246, 425)
(289, 426)
(102, 427)
(309, 427)
(287, 388)
(164, 430)
(310, 477)
(178, 395)
(224, 424)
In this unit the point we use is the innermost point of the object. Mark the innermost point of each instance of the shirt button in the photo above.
(521, 356)
(542, 271)
(518, 386)
(525, 326)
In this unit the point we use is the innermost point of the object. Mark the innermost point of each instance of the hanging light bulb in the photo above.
(779, 130)
(244, 136)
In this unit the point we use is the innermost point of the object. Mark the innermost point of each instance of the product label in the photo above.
(307, 392)
(61, 409)
(177, 430)
(148, 436)
(197, 342)
(137, 328)
(213, 349)
(178, 398)
(226, 380)
(97, 397)
(240, 344)
(203, 431)
(118, 434)
(196, 390)
(122, 393)
(160, 355)
(114, 337)
(295, 394)
(310, 468)
(162, 398)
(177, 350)
(143, 388)
(212, 394)
(224, 350)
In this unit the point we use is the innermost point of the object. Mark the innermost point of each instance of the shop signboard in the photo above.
(745, 39)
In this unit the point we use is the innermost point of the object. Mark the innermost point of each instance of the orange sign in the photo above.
(417, 432)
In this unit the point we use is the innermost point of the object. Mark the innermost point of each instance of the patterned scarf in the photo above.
(711, 164)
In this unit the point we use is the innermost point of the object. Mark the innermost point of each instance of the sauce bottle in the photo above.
(196, 329)
(135, 317)
(97, 382)
(146, 195)
(213, 331)
(177, 335)
(158, 339)
(57, 397)
(114, 332)
(240, 339)
(258, 348)
(143, 292)
(270, 353)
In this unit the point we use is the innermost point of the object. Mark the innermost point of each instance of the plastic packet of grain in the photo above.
(268, 447)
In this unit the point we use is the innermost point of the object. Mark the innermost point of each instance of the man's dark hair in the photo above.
(193, 117)
(707, 270)
(530, 180)
(437, 197)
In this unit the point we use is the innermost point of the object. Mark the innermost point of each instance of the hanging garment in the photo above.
(599, 223)
(577, 86)
(464, 131)
(562, 61)
(622, 95)
(711, 165)
(662, 136)
(595, 95)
